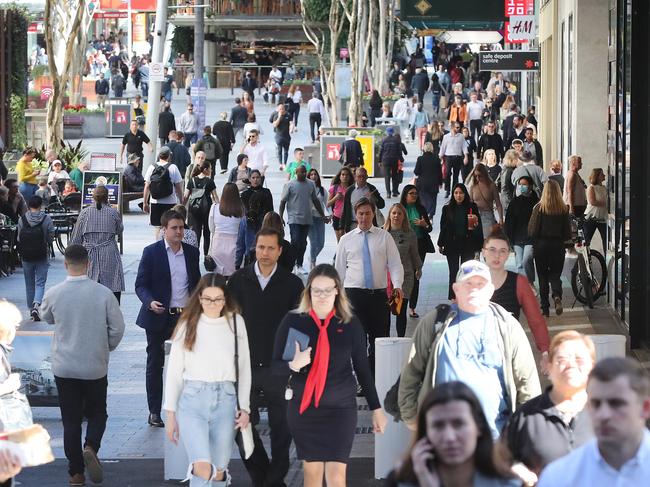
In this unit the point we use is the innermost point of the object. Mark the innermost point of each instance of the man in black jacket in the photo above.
(389, 155)
(516, 131)
(223, 131)
(210, 146)
(420, 83)
(180, 154)
(238, 117)
(361, 189)
(166, 123)
(490, 140)
(265, 293)
(249, 85)
(101, 90)
(533, 146)
(351, 154)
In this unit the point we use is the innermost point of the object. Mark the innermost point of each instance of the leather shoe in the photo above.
(156, 421)
(77, 479)
(93, 467)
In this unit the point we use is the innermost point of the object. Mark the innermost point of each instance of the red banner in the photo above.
(506, 35)
(148, 5)
(519, 7)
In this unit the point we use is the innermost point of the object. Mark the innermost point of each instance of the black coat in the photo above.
(264, 310)
(238, 116)
(517, 218)
(494, 142)
(346, 217)
(257, 202)
(180, 156)
(223, 131)
(133, 179)
(429, 172)
(166, 123)
(351, 153)
(420, 82)
(391, 149)
(472, 241)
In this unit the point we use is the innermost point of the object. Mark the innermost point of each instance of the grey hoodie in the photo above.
(34, 218)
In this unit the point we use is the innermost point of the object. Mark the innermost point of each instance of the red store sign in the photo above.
(519, 7)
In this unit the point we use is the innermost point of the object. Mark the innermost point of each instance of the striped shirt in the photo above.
(96, 231)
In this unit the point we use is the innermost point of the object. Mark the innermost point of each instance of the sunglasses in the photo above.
(468, 269)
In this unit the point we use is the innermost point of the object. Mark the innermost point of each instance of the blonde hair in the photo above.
(341, 303)
(573, 158)
(489, 152)
(595, 175)
(406, 225)
(569, 336)
(551, 202)
(10, 319)
(428, 147)
(434, 130)
(510, 158)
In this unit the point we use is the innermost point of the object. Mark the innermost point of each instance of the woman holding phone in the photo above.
(322, 346)
(453, 444)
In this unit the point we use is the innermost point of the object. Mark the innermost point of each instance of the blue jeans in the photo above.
(144, 86)
(316, 237)
(299, 235)
(282, 148)
(35, 278)
(168, 95)
(27, 190)
(190, 138)
(245, 242)
(525, 262)
(206, 419)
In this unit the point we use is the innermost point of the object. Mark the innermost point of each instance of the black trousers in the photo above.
(549, 262)
(155, 362)
(118, 295)
(590, 227)
(315, 120)
(265, 472)
(213, 165)
(296, 112)
(282, 148)
(454, 164)
(199, 223)
(416, 285)
(223, 160)
(400, 320)
(454, 259)
(299, 234)
(370, 306)
(79, 399)
(475, 127)
(465, 170)
(391, 174)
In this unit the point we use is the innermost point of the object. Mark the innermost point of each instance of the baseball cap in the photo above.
(133, 158)
(390, 130)
(164, 151)
(473, 268)
(353, 133)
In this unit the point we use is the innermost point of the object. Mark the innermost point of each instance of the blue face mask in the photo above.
(523, 188)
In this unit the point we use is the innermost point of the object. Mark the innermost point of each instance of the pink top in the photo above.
(337, 209)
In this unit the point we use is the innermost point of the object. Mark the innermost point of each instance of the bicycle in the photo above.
(64, 221)
(589, 274)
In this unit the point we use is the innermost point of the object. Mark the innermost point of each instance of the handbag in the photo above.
(208, 262)
(244, 436)
(425, 245)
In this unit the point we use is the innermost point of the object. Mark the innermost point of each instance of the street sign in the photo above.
(102, 161)
(506, 35)
(344, 53)
(156, 72)
(522, 28)
(508, 61)
(198, 94)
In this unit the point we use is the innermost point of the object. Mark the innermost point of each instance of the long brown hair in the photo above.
(551, 202)
(230, 203)
(189, 319)
(406, 225)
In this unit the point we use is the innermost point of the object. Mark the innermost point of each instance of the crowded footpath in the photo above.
(261, 327)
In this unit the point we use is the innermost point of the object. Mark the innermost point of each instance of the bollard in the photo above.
(176, 461)
(609, 345)
(390, 356)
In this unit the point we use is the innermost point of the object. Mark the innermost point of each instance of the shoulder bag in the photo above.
(245, 435)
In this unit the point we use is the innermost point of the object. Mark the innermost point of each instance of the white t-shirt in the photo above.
(475, 109)
(176, 178)
(219, 223)
(257, 158)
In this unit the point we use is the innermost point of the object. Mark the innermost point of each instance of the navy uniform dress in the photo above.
(325, 433)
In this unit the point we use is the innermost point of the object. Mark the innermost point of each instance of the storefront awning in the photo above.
(469, 37)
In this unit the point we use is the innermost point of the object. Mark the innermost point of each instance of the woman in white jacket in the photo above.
(207, 389)
(224, 221)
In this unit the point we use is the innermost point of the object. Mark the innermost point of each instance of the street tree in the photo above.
(65, 20)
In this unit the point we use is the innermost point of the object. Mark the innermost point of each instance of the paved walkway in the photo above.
(128, 437)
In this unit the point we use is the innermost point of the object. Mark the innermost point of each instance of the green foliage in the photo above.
(19, 49)
(317, 10)
(70, 155)
(183, 41)
(18, 125)
(40, 70)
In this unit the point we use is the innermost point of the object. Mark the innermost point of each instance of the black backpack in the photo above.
(210, 149)
(198, 202)
(160, 183)
(33, 243)
(391, 404)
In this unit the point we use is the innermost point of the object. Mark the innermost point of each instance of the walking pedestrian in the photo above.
(350, 151)
(478, 343)
(249, 85)
(257, 201)
(516, 227)
(208, 382)
(35, 234)
(166, 123)
(527, 167)
(389, 154)
(298, 196)
(375, 103)
(596, 212)
(317, 229)
(101, 91)
(397, 224)
(461, 232)
(337, 191)
(84, 336)
(223, 131)
(96, 229)
(549, 228)
(485, 195)
(361, 189)
(188, 123)
(180, 154)
(238, 117)
(420, 124)
(428, 172)
(256, 152)
(282, 126)
(133, 141)
(164, 183)
(507, 189)
(167, 275)
(210, 146)
(224, 221)
(316, 110)
(453, 154)
(199, 195)
(266, 292)
(364, 256)
(322, 412)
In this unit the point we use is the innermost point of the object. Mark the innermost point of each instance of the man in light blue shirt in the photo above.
(619, 406)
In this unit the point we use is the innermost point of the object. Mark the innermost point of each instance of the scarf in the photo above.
(315, 384)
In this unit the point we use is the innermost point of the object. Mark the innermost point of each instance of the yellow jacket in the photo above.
(25, 172)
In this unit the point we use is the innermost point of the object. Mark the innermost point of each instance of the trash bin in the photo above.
(176, 461)
(390, 356)
(609, 345)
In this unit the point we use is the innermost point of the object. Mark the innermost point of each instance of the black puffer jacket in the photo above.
(517, 218)
(391, 149)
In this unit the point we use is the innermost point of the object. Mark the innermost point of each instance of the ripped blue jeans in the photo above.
(206, 423)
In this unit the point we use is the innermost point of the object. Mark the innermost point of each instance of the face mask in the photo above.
(523, 189)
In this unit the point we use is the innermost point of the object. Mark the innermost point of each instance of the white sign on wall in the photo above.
(522, 28)
(156, 72)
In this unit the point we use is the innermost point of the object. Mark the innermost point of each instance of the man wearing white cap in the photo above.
(478, 343)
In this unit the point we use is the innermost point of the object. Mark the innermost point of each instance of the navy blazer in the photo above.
(154, 282)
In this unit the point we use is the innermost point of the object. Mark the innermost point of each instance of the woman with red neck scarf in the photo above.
(322, 346)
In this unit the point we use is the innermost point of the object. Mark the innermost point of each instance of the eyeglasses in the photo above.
(563, 361)
(412, 193)
(322, 293)
(495, 251)
(206, 300)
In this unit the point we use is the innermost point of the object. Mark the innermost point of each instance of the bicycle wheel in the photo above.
(62, 238)
(581, 283)
(598, 273)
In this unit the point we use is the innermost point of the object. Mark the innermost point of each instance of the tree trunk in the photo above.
(199, 39)
(352, 10)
